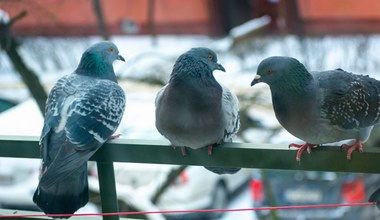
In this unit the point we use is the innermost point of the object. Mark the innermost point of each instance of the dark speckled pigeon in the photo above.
(83, 110)
(321, 107)
(193, 109)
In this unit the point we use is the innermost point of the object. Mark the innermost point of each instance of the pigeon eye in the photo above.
(209, 57)
(269, 71)
(111, 49)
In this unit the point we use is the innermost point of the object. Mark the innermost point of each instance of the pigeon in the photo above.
(321, 107)
(193, 109)
(83, 110)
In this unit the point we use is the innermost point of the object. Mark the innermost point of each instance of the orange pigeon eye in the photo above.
(269, 71)
(111, 49)
(209, 57)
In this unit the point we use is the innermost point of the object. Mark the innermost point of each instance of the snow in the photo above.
(250, 26)
(240, 202)
(4, 17)
(23, 119)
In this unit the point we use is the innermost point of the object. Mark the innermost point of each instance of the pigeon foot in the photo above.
(301, 148)
(358, 146)
(114, 137)
(209, 149)
(183, 150)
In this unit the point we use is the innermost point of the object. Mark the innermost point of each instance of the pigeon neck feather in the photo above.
(296, 81)
(93, 65)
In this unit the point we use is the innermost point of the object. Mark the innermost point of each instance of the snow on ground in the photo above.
(23, 119)
(250, 26)
(4, 17)
(240, 202)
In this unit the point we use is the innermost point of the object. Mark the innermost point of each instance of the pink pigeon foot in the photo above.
(301, 148)
(358, 146)
(114, 137)
(183, 150)
(209, 149)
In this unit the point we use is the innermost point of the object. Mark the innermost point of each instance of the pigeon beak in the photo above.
(119, 57)
(256, 80)
(220, 67)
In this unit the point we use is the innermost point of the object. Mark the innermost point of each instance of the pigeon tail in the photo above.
(64, 197)
(223, 170)
(375, 197)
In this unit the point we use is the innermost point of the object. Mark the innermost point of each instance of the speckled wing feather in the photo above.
(81, 114)
(230, 107)
(347, 100)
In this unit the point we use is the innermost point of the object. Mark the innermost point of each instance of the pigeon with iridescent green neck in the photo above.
(83, 110)
(321, 107)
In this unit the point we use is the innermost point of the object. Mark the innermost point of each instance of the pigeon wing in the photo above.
(84, 115)
(349, 101)
(230, 106)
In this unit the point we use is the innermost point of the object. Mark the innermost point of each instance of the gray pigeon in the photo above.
(193, 109)
(83, 110)
(321, 107)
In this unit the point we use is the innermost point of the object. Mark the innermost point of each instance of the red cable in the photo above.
(192, 211)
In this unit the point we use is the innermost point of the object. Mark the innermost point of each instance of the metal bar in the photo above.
(247, 155)
(13, 213)
(107, 189)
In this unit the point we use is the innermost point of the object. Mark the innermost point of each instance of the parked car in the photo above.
(194, 188)
(289, 188)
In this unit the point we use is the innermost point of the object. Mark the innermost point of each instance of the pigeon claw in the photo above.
(114, 137)
(301, 148)
(209, 149)
(356, 146)
(183, 150)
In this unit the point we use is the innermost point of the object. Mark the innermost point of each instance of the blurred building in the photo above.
(207, 17)
(339, 16)
(77, 17)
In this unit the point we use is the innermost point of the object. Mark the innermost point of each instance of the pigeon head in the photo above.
(97, 60)
(277, 70)
(196, 64)
(207, 57)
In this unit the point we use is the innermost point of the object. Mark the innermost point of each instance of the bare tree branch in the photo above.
(100, 19)
(9, 45)
(169, 180)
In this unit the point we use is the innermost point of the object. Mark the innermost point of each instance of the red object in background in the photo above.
(257, 190)
(353, 191)
(77, 17)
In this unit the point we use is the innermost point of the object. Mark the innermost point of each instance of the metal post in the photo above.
(107, 189)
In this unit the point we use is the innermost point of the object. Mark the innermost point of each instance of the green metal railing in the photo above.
(245, 155)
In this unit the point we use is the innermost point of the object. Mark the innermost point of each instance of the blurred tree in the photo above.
(173, 175)
(151, 22)
(9, 45)
(103, 31)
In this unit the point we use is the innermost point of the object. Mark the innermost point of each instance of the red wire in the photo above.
(192, 211)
